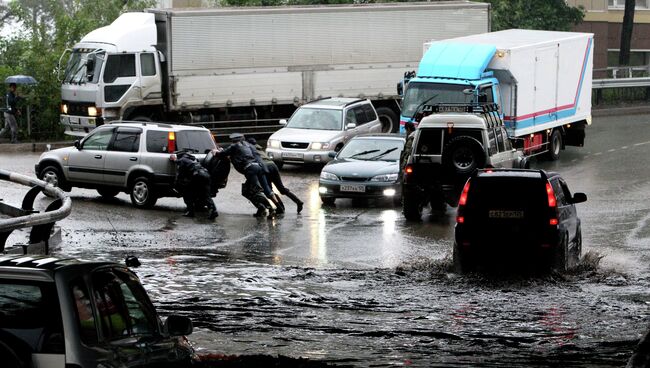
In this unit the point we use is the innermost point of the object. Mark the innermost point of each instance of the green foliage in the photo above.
(43, 29)
(550, 15)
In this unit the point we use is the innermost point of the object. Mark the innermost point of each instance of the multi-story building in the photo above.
(604, 18)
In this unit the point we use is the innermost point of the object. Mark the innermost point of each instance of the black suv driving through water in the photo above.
(517, 213)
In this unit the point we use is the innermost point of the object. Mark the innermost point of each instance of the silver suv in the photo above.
(320, 127)
(130, 157)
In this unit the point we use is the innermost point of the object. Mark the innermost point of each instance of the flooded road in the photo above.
(358, 285)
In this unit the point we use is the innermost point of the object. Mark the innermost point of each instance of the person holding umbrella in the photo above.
(10, 113)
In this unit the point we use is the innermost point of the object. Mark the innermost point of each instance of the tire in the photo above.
(142, 193)
(460, 262)
(397, 200)
(389, 120)
(524, 163)
(577, 247)
(561, 256)
(554, 145)
(412, 207)
(143, 118)
(328, 201)
(52, 175)
(9, 357)
(463, 155)
(108, 192)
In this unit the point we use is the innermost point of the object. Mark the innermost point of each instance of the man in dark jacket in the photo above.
(243, 160)
(193, 182)
(10, 114)
(272, 177)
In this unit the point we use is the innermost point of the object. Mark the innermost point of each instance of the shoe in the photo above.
(299, 206)
(271, 214)
(188, 214)
(261, 212)
(213, 215)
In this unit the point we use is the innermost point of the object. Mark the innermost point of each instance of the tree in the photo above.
(626, 33)
(551, 15)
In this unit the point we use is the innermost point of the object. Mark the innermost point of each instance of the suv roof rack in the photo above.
(143, 123)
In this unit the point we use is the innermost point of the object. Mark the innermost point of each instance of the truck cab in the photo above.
(110, 73)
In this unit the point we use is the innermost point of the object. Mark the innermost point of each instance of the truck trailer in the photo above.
(540, 80)
(246, 68)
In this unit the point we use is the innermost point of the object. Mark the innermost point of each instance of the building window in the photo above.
(620, 4)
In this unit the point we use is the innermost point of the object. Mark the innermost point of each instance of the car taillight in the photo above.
(553, 222)
(460, 219)
(550, 195)
(408, 169)
(171, 142)
(463, 196)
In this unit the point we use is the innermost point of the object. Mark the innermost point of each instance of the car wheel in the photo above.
(554, 145)
(142, 194)
(412, 207)
(461, 262)
(52, 175)
(577, 247)
(328, 201)
(108, 192)
(463, 155)
(389, 120)
(397, 200)
(561, 257)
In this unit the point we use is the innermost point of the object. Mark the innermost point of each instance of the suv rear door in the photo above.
(123, 153)
(86, 165)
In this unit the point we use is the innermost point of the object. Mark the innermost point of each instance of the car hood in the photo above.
(305, 135)
(59, 152)
(361, 168)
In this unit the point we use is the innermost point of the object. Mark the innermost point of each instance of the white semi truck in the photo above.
(246, 68)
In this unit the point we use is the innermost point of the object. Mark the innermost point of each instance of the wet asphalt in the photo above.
(356, 284)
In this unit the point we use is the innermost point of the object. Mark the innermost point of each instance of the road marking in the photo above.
(611, 150)
(624, 147)
(598, 153)
(641, 144)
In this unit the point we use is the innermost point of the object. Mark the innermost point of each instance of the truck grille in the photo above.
(295, 145)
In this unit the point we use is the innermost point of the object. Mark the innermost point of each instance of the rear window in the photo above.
(197, 141)
(29, 311)
(430, 142)
(509, 193)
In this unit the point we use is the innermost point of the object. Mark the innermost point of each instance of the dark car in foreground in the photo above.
(366, 167)
(517, 214)
(64, 313)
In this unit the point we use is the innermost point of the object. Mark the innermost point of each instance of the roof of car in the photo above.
(516, 173)
(155, 125)
(334, 102)
(46, 266)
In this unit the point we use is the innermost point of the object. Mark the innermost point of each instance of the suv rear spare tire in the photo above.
(412, 207)
(463, 155)
(142, 193)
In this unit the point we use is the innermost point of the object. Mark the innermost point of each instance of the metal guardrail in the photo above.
(620, 83)
(25, 216)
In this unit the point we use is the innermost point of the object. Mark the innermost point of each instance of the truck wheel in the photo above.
(561, 256)
(389, 120)
(412, 207)
(463, 155)
(108, 192)
(554, 145)
(143, 118)
(52, 175)
(142, 193)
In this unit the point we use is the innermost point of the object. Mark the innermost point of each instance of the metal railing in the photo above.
(41, 223)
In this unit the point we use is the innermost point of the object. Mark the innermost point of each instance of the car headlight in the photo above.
(328, 176)
(274, 143)
(385, 177)
(319, 146)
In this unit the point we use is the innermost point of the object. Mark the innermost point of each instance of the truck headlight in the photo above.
(64, 108)
(317, 146)
(93, 111)
(385, 177)
(328, 176)
(274, 143)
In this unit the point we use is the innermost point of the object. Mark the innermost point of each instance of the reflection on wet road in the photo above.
(359, 285)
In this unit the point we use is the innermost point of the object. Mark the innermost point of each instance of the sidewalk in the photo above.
(39, 147)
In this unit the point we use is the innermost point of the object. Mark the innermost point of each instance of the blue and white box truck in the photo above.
(541, 81)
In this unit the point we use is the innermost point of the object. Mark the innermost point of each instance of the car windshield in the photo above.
(318, 119)
(373, 149)
(83, 66)
(418, 93)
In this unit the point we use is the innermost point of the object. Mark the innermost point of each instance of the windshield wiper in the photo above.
(363, 153)
(422, 104)
(383, 153)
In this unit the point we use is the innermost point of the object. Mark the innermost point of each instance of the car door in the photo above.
(362, 120)
(122, 154)
(350, 118)
(505, 156)
(374, 125)
(569, 213)
(86, 165)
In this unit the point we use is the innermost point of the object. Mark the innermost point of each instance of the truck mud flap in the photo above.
(574, 134)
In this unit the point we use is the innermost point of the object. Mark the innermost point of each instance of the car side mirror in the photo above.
(283, 121)
(77, 144)
(178, 326)
(349, 126)
(579, 198)
(331, 154)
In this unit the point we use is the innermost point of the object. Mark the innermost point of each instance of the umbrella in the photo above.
(20, 79)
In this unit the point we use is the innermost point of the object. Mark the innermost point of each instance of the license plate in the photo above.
(353, 188)
(506, 214)
(292, 155)
(73, 120)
